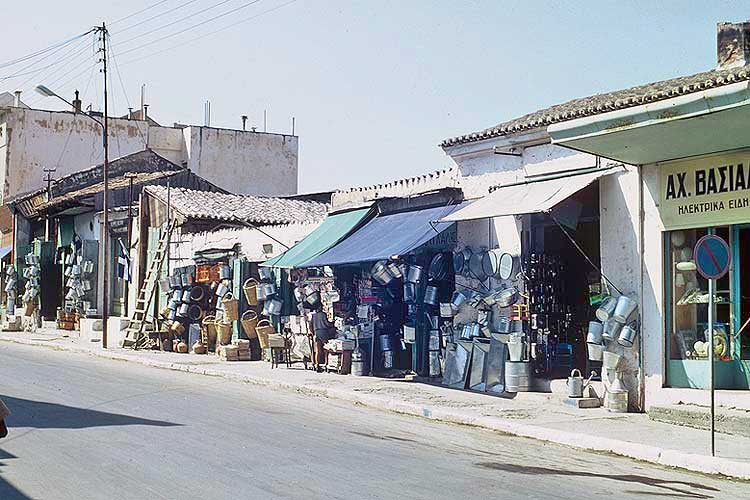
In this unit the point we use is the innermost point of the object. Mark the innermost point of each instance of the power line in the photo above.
(42, 51)
(159, 28)
(22, 72)
(185, 4)
(243, 6)
(125, 92)
(139, 12)
(201, 37)
(68, 58)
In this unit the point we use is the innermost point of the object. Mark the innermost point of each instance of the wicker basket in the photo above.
(264, 328)
(249, 321)
(208, 332)
(231, 307)
(250, 289)
(223, 332)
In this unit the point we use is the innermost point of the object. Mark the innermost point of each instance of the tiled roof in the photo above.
(239, 208)
(610, 101)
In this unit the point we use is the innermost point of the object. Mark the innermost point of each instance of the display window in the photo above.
(687, 312)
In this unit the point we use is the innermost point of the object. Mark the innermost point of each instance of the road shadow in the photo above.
(43, 415)
(7, 490)
(677, 489)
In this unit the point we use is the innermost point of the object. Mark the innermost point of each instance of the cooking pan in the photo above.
(461, 260)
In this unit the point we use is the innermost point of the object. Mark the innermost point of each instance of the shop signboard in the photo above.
(708, 191)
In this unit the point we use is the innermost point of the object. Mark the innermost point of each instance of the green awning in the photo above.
(333, 230)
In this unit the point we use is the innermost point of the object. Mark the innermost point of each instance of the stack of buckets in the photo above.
(607, 340)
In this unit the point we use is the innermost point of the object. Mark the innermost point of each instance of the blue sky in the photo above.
(374, 85)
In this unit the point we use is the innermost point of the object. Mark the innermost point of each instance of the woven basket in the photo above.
(264, 328)
(208, 332)
(223, 332)
(249, 321)
(231, 307)
(250, 289)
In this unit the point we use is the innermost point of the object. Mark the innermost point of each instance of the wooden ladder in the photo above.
(135, 336)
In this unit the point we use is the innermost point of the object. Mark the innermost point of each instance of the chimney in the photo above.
(17, 99)
(76, 104)
(244, 123)
(145, 112)
(733, 44)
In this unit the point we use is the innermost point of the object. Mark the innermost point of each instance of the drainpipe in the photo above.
(641, 232)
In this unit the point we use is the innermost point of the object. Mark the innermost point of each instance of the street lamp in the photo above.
(45, 91)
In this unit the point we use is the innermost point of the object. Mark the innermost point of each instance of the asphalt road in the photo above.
(88, 428)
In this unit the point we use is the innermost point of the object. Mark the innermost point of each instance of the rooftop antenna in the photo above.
(244, 123)
(143, 99)
(207, 114)
(265, 120)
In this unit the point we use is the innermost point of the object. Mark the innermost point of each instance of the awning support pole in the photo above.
(580, 250)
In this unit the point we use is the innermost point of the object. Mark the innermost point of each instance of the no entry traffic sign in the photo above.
(712, 257)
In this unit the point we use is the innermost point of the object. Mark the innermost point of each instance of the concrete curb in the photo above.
(662, 456)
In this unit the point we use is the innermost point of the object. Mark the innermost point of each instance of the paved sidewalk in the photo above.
(534, 415)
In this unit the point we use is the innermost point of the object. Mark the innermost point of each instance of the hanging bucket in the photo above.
(223, 332)
(627, 336)
(272, 307)
(177, 328)
(594, 335)
(249, 321)
(221, 290)
(265, 273)
(231, 307)
(209, 331)
(625, 309)
(611, 330)
(264, 329)
(185, 297)
(183, 310)
(225, 272)
(606, 309)
(250, 289)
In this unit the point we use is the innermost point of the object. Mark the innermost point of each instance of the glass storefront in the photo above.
(687, 312)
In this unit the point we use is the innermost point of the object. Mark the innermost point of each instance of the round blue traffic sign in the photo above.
(712, 257)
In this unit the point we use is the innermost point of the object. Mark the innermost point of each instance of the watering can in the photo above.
(576, 385)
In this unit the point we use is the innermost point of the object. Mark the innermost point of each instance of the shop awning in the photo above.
(532, 196)
(4, 251)
(330, 232)
(387, 235)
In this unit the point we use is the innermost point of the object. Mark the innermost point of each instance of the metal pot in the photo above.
(606, 309)
(627, 336)
(437, 270)
(410, 292)
(414, 274)
(624, 309)
(431, 295)
(611, 330)
(381, 273)
(594, 335)
(272, 307)
(395, 270)
(595, 351)
(458, 299)
(491, 262)
(265, 273)
(183, 310)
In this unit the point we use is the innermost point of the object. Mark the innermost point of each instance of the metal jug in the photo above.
(576, 385)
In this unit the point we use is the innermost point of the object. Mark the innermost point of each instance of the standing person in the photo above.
(4, 412)
(323, 330)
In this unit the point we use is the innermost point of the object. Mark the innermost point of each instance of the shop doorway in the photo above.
(560, 330)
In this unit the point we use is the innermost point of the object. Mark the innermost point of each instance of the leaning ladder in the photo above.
(135, 335)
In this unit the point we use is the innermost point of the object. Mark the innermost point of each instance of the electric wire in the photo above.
(42, 51)
(22, 72)
(185, 4)
(116, 67)
(159, 28)
(138, 12)
(201, 37)
(243, 6)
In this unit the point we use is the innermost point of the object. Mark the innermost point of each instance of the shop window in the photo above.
(687, 312)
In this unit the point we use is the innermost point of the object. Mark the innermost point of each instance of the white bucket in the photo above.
(617, 401)
(606, 309)
(625, 309)
(595, 333)
(610, 360)
(595, 351)
(515, 348)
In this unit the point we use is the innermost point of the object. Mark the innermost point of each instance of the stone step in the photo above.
(731, 421)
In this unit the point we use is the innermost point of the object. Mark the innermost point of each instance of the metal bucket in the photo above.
(518, 376)
(595, 351)
(446, 310)
(475, 266)
(515, 348)
(75, 270)
(461, 260)
(611, 329)
(431, 295)
(359, 364)
(185, 297)
(267, 290)
(606, 309)
(185, 280)
(627, 336)
(381, 273)
(611, 360)
(225, 272)
(434, 368)
(164, 284)
(88, 266)
(410, 292)
(183, 310)
(173, 304)
(414, 274)
(387, 359)
(458, 299)
(174, 281)
(222, 290)
(395, 270)
(265, 273)
(272, 307)
(410, 333)
(385, 342)
(312, 296)
(625, 309)
(617, 401)
(595, 333)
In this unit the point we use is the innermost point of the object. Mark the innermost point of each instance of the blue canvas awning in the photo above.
(387, 235)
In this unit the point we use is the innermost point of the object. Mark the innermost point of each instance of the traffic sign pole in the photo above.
(712, 258)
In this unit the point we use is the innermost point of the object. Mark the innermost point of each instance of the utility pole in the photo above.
(130, 176)
(48, 179)
(105, 198)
